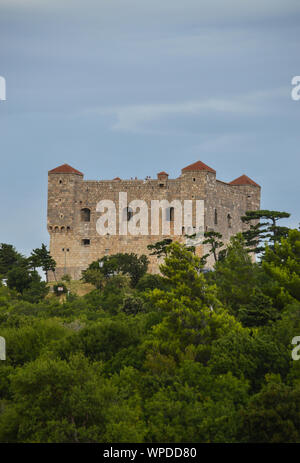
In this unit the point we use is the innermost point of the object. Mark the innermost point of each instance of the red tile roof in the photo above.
(198, 166)
(65, 169)
(117, 178)
(163, 173)
(243, 180)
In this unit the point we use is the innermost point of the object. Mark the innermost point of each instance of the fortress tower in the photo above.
(72, 214)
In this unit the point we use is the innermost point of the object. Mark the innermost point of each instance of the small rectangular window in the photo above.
(85, 215)
(85, 242)
(229, 221)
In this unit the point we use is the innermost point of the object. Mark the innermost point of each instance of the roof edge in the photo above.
(65, 169)
(244, 180)
(196, 166)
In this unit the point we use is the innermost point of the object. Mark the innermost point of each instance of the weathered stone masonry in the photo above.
(72, 216)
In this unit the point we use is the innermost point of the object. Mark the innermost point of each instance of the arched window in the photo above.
(170, 214)
(229, 220)
(216, 217)
(56, 228)
(85, 215)
(62, 229)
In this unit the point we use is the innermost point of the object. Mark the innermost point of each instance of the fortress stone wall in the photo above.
(72, 215)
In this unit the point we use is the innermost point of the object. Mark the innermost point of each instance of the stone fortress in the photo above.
(72, 215)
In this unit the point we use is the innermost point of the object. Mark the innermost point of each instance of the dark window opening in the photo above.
(170, 214)
(85, 215)
(85, 242)
(128, 213)
(229, 220)
(194, 179)
(216, 217)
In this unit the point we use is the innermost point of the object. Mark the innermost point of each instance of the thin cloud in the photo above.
(134, 118)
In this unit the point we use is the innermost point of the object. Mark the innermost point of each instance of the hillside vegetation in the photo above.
(185, 356)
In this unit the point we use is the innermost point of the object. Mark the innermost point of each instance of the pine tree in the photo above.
(266, 231)
(40, 257)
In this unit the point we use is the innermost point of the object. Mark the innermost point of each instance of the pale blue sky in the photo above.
(132, 87)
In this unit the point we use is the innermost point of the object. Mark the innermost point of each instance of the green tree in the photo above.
(26, 343)
(213, 239)
(194, 316)
(250, 354)
(132, 305)
(196, 406)
(258, 311)
(20, 278)
(150, 281)
(261, 232)
(41, 257)
(28, 283)
(159, 248)
(71, 402)
(282, 263)
(102, 340)
(10, 258)
(273, 415)
(132, 264)
(36, 292)
(235, 275)
(94, 276)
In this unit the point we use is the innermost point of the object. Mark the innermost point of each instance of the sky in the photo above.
(132, 87)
